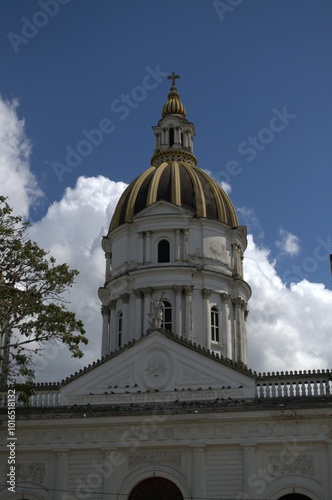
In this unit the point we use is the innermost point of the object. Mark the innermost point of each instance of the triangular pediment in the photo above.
(162, 207)
(158, 368)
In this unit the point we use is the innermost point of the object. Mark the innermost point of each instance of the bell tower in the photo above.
(174, 251)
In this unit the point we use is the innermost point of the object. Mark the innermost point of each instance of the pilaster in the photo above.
(105, 344)
(61, 473)
(249, 469)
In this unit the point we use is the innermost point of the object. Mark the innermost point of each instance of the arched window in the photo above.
(181, 138)
(163, 251)
(120, 328)
(171, 137)
(214, 324)
(156, 487)
(167, 316)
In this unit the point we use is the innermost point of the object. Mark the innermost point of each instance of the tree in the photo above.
(32, 308)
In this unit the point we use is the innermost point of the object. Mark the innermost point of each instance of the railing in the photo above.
(268, 385)
(294, 384)
(43, 398)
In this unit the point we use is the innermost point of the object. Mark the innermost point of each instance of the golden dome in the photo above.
(173, 104)
(180, 183)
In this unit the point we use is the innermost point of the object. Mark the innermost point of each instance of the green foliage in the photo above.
(32, 309)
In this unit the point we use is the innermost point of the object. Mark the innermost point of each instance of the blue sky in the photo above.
(256, 79)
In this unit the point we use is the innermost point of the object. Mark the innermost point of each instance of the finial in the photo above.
(173, 77)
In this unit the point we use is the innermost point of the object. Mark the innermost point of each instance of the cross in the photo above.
(173, 77)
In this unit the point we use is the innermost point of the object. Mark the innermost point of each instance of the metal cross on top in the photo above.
(173, 77)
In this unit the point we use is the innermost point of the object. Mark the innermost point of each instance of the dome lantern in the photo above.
(174, 133)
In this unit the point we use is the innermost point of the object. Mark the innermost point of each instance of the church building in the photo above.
(171, 410)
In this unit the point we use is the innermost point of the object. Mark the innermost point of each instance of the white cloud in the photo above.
(288, 328)
(226, 187)
(72, 230)
(248, 218)
(16, 179)
(288, 243)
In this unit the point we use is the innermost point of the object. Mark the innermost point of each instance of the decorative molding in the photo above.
(105, 310)
(34, 472)
(156, 370)
(225, 297)
(154, 458)
(206, 292)
(291, 464)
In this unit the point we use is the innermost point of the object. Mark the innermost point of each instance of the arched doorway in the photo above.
(156, 488)
(295, 496)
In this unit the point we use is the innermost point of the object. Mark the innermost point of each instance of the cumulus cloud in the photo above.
(16, 179)
(288, 327)
(72, 231)
(288, 243)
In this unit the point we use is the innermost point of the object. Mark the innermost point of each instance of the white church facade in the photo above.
(171, 411)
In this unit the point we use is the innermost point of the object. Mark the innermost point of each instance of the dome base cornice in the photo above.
(173, 155)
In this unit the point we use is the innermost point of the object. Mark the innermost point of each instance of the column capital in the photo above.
(225, 296)
(138, 293)
(188, 289)
(238, 302)
(148, 290)
(206, 292)
(105, 310)
(177, 289)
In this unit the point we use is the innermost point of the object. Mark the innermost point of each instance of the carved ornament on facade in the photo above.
(156, 370)
(291, 464)
(154, 458)
(34, 472)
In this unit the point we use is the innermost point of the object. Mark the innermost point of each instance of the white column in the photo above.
(199, 482)
(244, 333)
(148, 247)
(146, 309)
(186, 245)
(140, 248)
(105, 344)
(237, 329)
(249, 470)
(125, 311)
(187, 328)
(113, 339)
(61, 474)
(177, 245)
(138, 313)
(227, 335)
(206, 292)
(178, 311)
(108, 267)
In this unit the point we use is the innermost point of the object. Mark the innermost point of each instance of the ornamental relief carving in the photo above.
(34, 472)
(156, 370)
(154, 458)
(290, 464)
